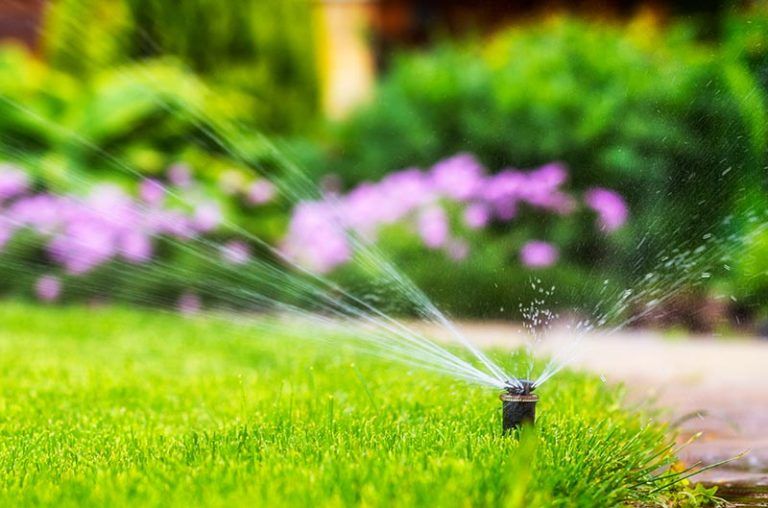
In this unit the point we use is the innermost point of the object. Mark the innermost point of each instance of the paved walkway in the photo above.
(717, 386)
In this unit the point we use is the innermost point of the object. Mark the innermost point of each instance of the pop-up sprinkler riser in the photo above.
(518, 405)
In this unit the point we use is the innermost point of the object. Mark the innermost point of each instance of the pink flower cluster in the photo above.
(82, 233)
(318, 235)
(610, 207)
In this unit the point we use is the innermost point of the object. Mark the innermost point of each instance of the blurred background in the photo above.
(490, 149)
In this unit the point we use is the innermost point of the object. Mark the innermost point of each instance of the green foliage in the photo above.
(745, 37)
(746, 41)
(121, 123)
(749, 280)
(655, 120)
(263, 48)
(117, 126)
(122, 408)
(676, 126)
(84, 48)
(491, 283)
(145, 116)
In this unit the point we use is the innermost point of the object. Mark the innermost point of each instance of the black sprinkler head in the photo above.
(518, 404)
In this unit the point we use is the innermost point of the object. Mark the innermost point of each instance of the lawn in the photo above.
(115, 407)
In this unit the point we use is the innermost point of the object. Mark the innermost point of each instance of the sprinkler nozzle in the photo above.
(518, 404)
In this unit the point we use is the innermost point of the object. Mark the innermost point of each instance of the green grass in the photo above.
(113, 407)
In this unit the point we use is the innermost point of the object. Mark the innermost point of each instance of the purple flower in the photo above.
(366, 208)
(316, 238)
(151, 191)
(189, 303)
(538, 254)
(318, 231)
(48, 288)
(433, 226)
(407, 190)
(459, 177)
(457, 249)
(82, 234)
(550, 175)
(109, 200)
(180, 175)
(170, 222)
(330, 252)
(6, 233)
(503, 192)
(539, 188)
(260, 192)
(542, 188)
(611, 208)
(13, 182)
(135, 246)
(477, 215)
(236, 252)
(83, 245)
(207, 217)
(41, 212)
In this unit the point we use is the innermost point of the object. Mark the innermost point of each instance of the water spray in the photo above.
(518, 404)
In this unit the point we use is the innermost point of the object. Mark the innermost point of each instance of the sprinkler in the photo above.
(518, 404)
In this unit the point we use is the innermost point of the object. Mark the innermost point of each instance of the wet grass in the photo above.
(114, 407)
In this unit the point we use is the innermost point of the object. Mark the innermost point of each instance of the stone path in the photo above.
(717, 386)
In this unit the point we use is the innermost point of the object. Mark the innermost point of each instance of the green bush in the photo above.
(746, 42)
(745, 37)
(638, 116)
(126, 122)
(490, 280)
(73, 135)
(676, 126)
(263, 48)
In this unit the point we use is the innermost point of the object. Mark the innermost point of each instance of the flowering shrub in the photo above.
(80, 234)
(655, 122)
(423, 201)
(537, 254)
(170, 230)
(139, 118)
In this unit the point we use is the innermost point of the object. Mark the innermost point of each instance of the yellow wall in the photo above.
(346, 60)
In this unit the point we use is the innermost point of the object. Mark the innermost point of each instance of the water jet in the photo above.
(518, 404)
